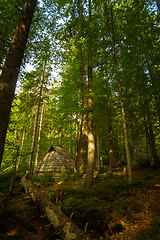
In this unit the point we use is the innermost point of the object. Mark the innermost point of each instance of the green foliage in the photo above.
(45, 179)
(151, 233)
(107, 190)
(5, 180)
(145, 178)
(124, 206)
(91, 205)
(83, 210)
(59, 37)
(9, 15)
(70, 175)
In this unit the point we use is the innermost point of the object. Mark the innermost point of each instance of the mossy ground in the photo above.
(111, 209)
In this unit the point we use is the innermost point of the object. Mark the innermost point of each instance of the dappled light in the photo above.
(79, 120)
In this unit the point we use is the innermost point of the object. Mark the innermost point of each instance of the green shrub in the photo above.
(84, 210)
(45, 179)
(70, 175)
(109, 189)
(78, 192)
(5, 180)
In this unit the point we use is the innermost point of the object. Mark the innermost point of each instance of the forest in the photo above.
(82, 75)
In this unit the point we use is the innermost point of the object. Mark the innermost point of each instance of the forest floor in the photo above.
(112, 209)
(20, 219)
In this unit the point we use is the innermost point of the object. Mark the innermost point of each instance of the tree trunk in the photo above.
(70, 135)
(99, 160)
(82, 148)
(148, 144)
(125, 136)
(98, 165)
(36, 124)
(11, 68)
(15, 157)
(77, 145)
(124, 123)
(82, 145)
(113, 52)
(34, 139)
(61, 223)
(23, 136)
(39, 134)
(110, 132)
(136, 155)
(91, 143)
(152, 140)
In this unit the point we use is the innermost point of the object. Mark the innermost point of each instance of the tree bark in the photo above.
(77, 143)
(61, 223)
(82, 148)
(22, 142)
(70, 135)
(91, 142)
(125, 136)
(98, 165)
(113, 52)
(39, 134)
(110, 131)
(34, 139)
(148, 130)
(11, 68)
(152, 140)
(148, 144)
(136, 154)
(124, 121)
(82, 145)
(15, 157)
(36, 123)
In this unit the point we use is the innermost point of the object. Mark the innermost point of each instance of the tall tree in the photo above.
(91, 142)
(9, 15)
(41, 85)
(82, 146)
(39, 134)
(11, 68)
(113, 51)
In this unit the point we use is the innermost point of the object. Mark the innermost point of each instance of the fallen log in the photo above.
(62, 224)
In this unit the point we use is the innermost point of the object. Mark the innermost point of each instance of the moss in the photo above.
(32, 196)
(68, 236)
(52, 216)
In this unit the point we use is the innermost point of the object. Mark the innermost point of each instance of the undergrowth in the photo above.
(45, 179)
(151, 233)
(91, 206)
(110, 195)
(7, 178)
